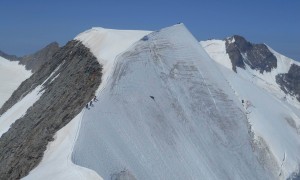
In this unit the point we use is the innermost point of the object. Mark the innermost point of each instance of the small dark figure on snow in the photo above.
(243, 101)
(91, 103)
(152, 97)
(95, 98)
(87, 106)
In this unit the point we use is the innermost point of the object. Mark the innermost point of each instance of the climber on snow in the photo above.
(95, 98)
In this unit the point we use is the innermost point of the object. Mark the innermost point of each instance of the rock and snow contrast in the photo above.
(163, 110)
(268, 83)
(11, 76)
(166, 114)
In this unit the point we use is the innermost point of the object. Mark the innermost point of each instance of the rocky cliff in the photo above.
(290, 82)
(257, 56)
(69, 80)
(34, 61)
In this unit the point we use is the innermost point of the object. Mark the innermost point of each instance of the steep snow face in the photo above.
(275, 119)
(167, 113)
(11, 76)
(217, 51)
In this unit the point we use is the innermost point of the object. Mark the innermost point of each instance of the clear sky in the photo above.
(27, 25)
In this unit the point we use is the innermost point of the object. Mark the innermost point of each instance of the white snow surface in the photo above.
(107, 44)
(56, 163)
(273, 118)
(192, 128)
(217, 51)
(11, 76)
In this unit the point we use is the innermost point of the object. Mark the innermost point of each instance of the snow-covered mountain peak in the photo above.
(258, 63)
(167, 113)
(153, 105)
(106, 44)
(269, 85)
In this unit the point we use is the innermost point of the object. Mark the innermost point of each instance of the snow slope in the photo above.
(105, 44)
(167, 113)
(217, 51)
(19, 109)
(11, 76)
(275, 120)
(56, 163)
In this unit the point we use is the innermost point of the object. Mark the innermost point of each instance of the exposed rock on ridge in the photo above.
(9, 57)
(77, 77)
(257, 56)
(290, 82)
(34, 61)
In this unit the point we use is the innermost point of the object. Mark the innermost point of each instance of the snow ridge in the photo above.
(164, 115)
(274, 116)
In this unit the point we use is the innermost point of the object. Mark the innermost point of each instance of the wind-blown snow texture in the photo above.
(191, 127)
(273, 114)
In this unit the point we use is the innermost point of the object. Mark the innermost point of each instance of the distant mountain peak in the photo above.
(34, 61)
(236, 51)
(256, 56)
(7, 56)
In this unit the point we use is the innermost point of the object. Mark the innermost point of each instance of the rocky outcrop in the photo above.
(290, 82)
(77, 76)
(9, 57)
(34, 61)
(256, 56)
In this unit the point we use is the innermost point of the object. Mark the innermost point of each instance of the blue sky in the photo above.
(26, 26)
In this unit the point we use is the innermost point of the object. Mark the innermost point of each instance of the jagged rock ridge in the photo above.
(77, 76)
(34, 61)
(290, 82)
(7, 56)
(242, 52)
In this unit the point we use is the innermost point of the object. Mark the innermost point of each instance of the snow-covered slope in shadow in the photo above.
(167, 113)
(11, 76)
